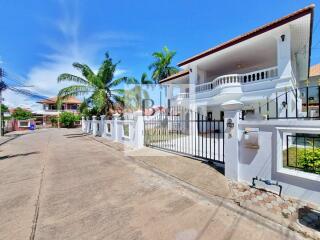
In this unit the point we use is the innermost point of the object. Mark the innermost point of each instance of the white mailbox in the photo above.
(251, 138)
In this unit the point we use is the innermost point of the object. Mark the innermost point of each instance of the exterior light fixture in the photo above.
(284, 104)
(283, 37)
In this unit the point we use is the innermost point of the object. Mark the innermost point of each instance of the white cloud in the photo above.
(44, 75)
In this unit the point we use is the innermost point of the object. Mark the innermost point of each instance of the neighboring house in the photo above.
(252, 68)
(50, 109)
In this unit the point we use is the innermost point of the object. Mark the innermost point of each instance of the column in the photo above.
(83, 124)
(94, 126)
(102, 126)
(232, 111)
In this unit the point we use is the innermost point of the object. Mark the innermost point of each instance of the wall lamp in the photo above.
(283, 37)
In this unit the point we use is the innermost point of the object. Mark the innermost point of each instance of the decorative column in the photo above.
(102, 125)
(94, 126)
(232, 111)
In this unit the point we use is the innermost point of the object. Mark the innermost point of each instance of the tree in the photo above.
(135, 95)
(102, 87)
(161, 67)
(4, 108)
(67, 119)
(21, 114)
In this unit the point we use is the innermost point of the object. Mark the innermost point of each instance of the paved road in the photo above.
(59, 184)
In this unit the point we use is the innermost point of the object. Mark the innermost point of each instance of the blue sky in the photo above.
(40, 39)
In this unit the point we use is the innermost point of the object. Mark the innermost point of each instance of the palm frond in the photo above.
(84, 69)
(72, 78)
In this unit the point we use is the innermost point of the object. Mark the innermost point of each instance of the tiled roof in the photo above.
(176, 75)
(279, 22)
(314, 70)
(52, 100)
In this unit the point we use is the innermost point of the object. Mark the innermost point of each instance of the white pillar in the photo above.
(102, 125)
(83, 124)
(115, 126)
(231, 140)
(94, 126)
(88, 125)
(139, 130)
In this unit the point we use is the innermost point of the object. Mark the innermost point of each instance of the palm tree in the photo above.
(162, 65)
(134, 96)
(102, 88)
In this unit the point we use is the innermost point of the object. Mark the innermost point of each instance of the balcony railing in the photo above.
(181, 96)
(238, 79)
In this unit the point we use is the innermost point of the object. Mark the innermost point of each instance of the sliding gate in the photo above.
(186, 132)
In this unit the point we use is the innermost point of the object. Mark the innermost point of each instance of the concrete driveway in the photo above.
(59, 184)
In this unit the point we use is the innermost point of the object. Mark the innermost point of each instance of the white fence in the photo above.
(128, 132)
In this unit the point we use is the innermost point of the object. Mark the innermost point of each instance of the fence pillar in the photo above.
(94, 126)
(115, 126)
(139, 130)
(102, 125)
(88, 125)
(83, 124)
(232, 111)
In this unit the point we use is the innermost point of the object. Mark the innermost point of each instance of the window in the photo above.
(126, 130)
(302, 152)
(209, 116)
(108, 128)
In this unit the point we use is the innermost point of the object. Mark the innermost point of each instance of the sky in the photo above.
(41, 39)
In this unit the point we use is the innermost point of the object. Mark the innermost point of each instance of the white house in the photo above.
(251, 68)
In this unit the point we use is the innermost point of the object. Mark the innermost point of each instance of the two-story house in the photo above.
(252, 68)
(50, 109)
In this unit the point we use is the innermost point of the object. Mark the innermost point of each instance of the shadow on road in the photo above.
(18, 155)
(75, 135)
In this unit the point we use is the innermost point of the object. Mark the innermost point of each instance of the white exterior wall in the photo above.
(266, 162)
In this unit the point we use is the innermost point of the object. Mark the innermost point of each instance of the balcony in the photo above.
(218, 84)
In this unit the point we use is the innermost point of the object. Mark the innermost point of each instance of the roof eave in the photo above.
(265, 28)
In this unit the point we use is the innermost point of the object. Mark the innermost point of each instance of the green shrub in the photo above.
(309, 159)
(21, 114)
(67, 119)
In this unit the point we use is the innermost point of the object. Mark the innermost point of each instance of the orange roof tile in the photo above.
(314, 70)
(52, 100)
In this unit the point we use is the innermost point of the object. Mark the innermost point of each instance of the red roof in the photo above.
(53, 100)
(314, 70)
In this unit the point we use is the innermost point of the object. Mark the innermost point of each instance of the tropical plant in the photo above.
(104, 91)
(161, 67)
(54, 121)
(67, 119)
(4, 108)
(21, 114)
(135, 95)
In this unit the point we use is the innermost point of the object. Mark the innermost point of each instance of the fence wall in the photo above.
(128, 132)
(261, 153)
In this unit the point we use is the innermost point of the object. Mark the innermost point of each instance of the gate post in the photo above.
(139, 130)
(88, 125)
(231, 140)
(94, 126)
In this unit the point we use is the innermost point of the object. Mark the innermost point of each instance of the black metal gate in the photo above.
(186, 132)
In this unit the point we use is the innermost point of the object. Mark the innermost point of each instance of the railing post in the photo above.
(231, 140)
